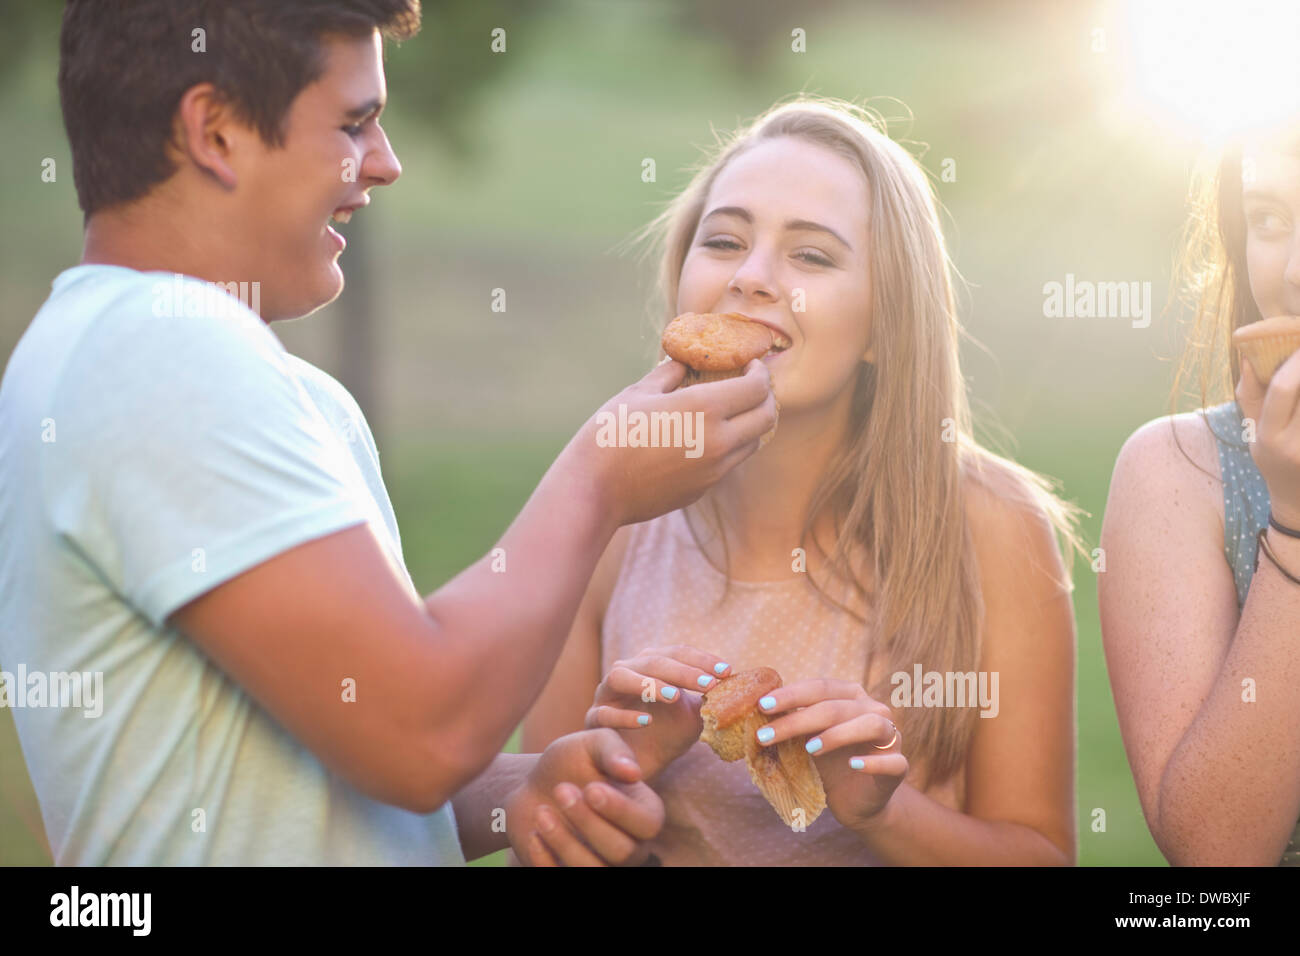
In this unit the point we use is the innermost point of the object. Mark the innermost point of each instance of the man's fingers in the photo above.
(635, 808)
(665, 377)
(751, 425)
(612, 845)
(733, 396)
(611, 756)
(538, 854)
(557, 837)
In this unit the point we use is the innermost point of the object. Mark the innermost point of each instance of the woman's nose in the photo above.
(1292, 274)
(753, 279)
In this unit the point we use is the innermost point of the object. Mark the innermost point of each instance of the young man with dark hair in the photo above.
(199, 515)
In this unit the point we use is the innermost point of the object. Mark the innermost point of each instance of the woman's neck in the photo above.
(764, 502)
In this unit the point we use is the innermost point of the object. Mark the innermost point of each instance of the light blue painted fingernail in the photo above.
(704, 680)
(765, 734)
(719, 668)
(643, 719)
(670, 693)
(813, 745)
(857, 763)
(767, 703)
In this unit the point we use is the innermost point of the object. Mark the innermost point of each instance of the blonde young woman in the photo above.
(870, 535)
(1200, 602)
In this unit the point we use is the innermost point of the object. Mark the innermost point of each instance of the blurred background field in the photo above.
(530, 180)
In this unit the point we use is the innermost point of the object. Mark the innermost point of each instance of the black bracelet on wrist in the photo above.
(1289, 532)
(1268, 550)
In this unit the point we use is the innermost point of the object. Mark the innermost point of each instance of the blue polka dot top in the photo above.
(1245, 496)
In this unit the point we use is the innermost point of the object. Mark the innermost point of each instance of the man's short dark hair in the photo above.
(124, 65)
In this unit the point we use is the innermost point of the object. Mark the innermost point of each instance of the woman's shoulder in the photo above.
(1172, 444)
(1167, 473)
(1014, 516)
(999, 493)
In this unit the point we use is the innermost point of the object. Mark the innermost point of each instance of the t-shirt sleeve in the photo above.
(185, 453)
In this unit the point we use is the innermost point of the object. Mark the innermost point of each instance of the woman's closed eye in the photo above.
(807, 255)
(1267, 222)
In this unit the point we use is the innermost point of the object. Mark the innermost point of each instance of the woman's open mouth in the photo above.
(779, 344)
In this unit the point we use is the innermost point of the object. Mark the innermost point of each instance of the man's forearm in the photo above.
(480, 806)
(502, 623)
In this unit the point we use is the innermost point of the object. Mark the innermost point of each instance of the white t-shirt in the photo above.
(146, 456)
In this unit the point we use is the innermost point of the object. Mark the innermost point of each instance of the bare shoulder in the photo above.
(1012, 530)
(1173, 448)
(1169, 466)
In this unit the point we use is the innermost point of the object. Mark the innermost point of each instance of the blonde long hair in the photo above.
(899, 503)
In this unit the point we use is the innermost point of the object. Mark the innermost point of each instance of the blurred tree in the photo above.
(746, 28)
(439, 76)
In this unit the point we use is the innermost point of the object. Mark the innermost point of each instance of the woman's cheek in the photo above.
(1264, 268)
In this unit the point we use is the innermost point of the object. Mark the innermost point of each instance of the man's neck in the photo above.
(154, 235)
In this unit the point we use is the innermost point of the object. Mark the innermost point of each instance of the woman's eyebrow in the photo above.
(817, 227)
(1261, 195)
(741, 212)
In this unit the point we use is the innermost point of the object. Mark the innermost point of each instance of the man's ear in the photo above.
(205, 132)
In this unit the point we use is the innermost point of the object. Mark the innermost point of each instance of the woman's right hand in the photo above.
(1276, 448)
(653, 700)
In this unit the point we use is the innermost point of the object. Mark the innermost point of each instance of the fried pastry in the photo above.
(784, 773)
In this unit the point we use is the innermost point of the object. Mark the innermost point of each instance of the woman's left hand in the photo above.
(853, 740)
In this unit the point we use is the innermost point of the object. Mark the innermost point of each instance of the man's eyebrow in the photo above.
(365, 109)
(741, 212)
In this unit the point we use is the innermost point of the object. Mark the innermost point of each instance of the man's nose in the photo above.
(381, 164)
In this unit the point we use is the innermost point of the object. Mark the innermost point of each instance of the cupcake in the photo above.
(784, 773)
(714, 347)
(717, 346)
(1268, 343)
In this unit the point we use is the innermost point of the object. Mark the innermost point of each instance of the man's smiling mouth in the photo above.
(343, 214)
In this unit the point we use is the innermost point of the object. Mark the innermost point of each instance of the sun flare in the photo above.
(1211, 67)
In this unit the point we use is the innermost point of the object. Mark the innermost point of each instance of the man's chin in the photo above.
(328, 288)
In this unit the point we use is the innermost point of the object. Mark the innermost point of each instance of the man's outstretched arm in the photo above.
(411, 699)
